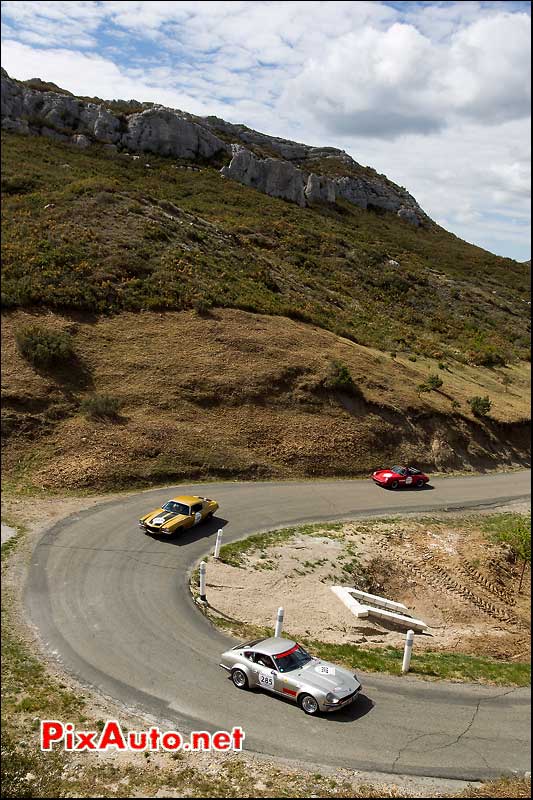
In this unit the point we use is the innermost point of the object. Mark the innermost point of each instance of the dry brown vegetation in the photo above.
(234, 394)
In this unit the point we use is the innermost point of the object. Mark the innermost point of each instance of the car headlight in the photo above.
(330, 698)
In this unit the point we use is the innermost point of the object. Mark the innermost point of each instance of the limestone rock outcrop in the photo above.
(278, 167)
(63, 117)
(320, 189)
(162, 131)
(269, 175)
(279, 178)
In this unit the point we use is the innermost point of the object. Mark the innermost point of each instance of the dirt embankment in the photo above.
(235, 394)
(445, 570)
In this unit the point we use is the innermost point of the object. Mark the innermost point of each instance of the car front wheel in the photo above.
(308, 704)
(419, 483)
(239, 679)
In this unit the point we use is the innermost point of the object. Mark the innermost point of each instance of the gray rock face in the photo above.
(282, 179)
(269, 175)
(320, 188)
(162, 131)
(59, 116)
(80, 140)
(290, 151)
(64, 118)
(168, 132)
(371, 194)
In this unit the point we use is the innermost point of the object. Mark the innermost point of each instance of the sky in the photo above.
(436, 95)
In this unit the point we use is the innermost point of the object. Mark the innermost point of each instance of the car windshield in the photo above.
(398, 470)
(294, 658)
(176, 508)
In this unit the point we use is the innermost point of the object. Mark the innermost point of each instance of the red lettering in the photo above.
(171, 741)
(238, 738)
(86, 740)
(221, 740)
(51, 731)
(137, 741)
(69, 736)
(154, 738)
(200, 736)
(112, 736)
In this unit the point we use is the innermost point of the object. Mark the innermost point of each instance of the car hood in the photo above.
(328, 677)
(161, 517)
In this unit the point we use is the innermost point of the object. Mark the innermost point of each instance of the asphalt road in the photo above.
(114, 606)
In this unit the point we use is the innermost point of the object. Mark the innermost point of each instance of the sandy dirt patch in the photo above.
(443, 569)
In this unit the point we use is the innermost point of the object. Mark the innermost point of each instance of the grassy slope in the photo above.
(236, 394)
(122, 235)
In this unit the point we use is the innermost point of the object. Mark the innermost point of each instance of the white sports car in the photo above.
(283, 667)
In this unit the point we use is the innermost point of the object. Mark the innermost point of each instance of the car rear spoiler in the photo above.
(247, 644)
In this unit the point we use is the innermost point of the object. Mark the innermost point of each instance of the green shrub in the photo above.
(412, 358)
(100, 406)
(487, 355)
(203, 306)
(44, 348)
(434, 382)
(340, 379)
(480, 406)
(18, 185)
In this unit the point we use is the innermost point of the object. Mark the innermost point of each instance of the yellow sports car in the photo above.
(179, 513)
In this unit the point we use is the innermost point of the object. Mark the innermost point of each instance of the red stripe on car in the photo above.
(290, 691)
(287, 652)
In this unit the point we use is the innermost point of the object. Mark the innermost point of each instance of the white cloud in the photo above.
(435, 95)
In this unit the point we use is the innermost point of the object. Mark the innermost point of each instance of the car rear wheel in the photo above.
(308, 704)
(239, 679)
(419, 484)
(393, 484)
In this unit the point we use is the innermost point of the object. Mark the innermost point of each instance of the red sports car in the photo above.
(400, 476)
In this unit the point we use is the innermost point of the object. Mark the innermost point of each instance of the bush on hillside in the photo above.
(203, 306)
(434, 382)
(44, 348)
(480, 406)
(100, 406)
(339, 379)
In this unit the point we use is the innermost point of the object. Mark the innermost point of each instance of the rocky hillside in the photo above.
(230, 332)
(290, 170)
(100, 231)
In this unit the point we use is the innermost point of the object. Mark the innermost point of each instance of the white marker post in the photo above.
(218, 543)
(409, 638)
(203, 568)
(279, 622)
